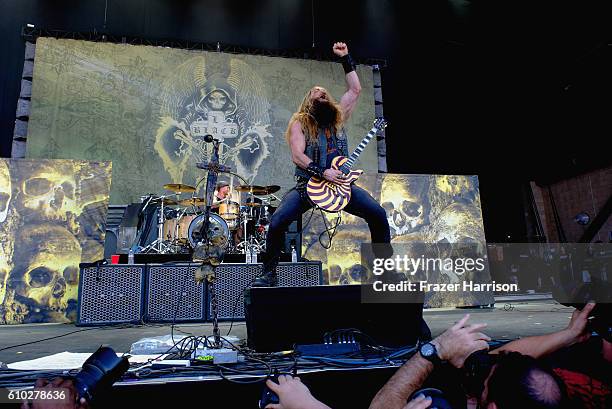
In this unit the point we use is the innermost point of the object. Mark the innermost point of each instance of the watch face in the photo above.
(427, 350)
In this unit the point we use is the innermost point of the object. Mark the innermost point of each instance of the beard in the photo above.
(323, 112)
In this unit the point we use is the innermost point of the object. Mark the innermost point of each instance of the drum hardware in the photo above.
(254, 238)
(159, 245)
(265, 214)
(236, 228)
(249, 242)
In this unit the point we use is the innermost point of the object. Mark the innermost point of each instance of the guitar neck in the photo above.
(355, 155)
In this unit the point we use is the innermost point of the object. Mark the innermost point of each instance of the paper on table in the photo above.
(68, 360)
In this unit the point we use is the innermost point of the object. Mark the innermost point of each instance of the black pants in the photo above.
(296, 202)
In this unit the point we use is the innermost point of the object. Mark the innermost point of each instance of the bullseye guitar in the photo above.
(333, 197)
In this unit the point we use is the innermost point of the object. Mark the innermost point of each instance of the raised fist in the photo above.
(340, 49)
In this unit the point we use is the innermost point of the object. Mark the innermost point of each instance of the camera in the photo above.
(99, 372)
(476, 369)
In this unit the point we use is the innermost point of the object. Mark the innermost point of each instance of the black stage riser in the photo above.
(112, 294)
(279, 318)
(339, 389)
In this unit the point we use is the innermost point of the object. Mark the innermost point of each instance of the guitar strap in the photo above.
(316, 152)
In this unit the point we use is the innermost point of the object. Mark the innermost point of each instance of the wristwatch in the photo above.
(429, 352)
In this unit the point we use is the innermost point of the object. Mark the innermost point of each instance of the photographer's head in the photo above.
(521, 381)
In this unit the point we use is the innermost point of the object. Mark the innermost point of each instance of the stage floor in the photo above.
(507, 320)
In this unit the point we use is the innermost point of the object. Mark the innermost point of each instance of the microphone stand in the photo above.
(213, 167)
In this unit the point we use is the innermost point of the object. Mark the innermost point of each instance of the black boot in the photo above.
(268, 279)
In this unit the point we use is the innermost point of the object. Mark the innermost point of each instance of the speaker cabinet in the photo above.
(111, 294)
(121, 293)
(173, 294)
(232, 279)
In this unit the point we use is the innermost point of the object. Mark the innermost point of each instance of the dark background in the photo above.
(509, 90)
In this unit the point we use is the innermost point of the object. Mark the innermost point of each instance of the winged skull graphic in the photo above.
(224, 98)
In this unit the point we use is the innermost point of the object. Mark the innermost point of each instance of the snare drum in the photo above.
(230, 211)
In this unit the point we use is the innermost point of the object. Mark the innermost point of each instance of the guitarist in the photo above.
(315, 135)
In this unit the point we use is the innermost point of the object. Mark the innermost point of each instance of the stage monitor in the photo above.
(280, 317)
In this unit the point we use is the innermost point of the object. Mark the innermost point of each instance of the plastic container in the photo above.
(294, 258)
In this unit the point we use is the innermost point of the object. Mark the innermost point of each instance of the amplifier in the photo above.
(233, 279)
(173, 294)
(111, 294)
(168, 292)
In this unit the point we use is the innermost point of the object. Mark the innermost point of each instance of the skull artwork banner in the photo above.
(54, 217)
(148, 109)
(430, 209)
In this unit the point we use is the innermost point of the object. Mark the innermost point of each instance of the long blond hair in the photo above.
(310, 128)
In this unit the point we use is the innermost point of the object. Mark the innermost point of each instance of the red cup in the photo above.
(115, 259)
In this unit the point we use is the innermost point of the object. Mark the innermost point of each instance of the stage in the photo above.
(510, 318)
(238, 187)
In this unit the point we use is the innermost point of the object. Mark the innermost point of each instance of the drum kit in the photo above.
(243, 217)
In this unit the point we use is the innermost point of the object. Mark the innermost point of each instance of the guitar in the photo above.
(333, 197)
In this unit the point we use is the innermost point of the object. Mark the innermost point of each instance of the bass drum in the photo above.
(217, 228)
(176, 229)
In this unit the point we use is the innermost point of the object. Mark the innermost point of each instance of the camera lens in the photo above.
(99, 372)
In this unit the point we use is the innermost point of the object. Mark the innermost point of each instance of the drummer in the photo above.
(222, 195)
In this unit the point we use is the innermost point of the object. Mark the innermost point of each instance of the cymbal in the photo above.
(193, 201)
(254, 189)
(166, 201)
(272, 189)
(179, 187)
(253, 204)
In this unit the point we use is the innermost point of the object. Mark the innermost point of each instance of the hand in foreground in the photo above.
(460, 341)
(340, 49)
(70, 401)
(420, 402)
(292, 394)
(334, 176)
(577, 327)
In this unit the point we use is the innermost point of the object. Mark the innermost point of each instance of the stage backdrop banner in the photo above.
(420, 209)
(147, 110)
(52, 217)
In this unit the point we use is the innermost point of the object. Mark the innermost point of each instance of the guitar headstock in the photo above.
(380, 123)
